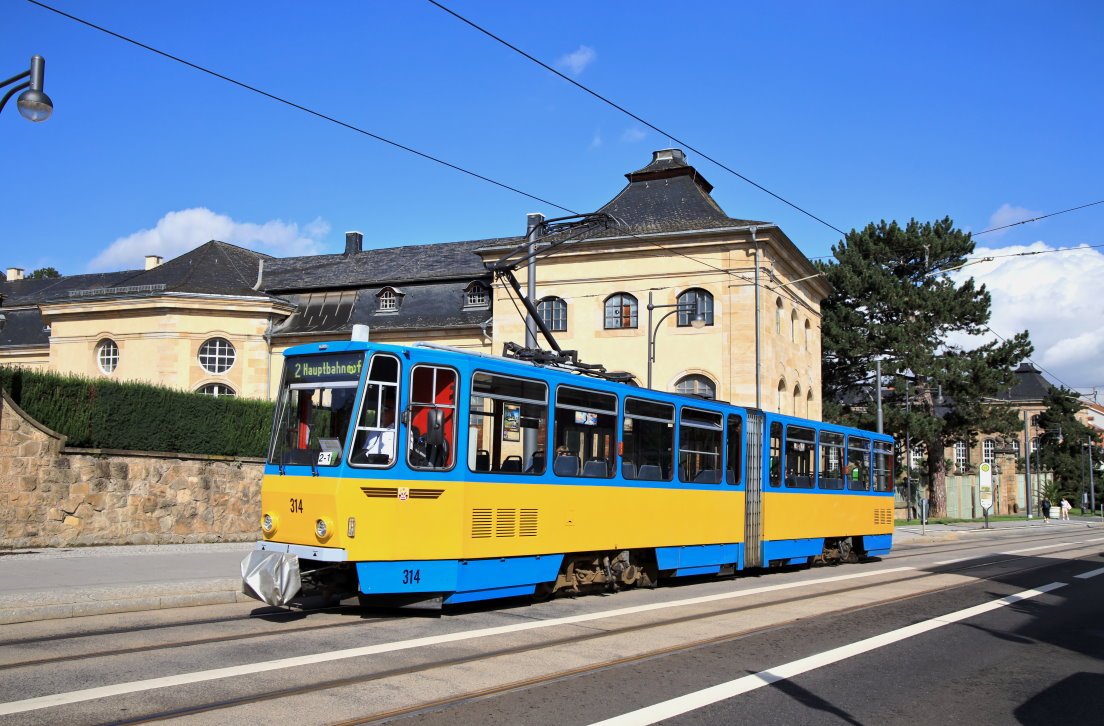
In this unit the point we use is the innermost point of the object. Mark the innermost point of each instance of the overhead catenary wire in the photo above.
(634, 116)
(355, 128)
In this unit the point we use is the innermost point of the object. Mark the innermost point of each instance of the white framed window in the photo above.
(1034, 444)
(988, 451)
(692, 303)
(216, 390)
(1016, 447)
(476, 296)
(620, 311)
(388, 301)
(553, 310)
(216, 355)
(107, 356)
(961, 454)
(696, 385)
(1035, 420)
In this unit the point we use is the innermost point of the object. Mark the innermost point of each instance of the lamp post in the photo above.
(33, 104)
(698, 322)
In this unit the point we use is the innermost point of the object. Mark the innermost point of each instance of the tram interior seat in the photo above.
(566, 465)
(596, 468)
(482, 460)
(651, 472)
(628, 470)
(536, 466)
(708, 476)
(511, 464)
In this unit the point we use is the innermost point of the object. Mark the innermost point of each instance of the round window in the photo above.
(107, 356)
(216, 355)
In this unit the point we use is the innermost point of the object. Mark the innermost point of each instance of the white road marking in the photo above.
(1090, 573)
(959, 559)
(714, 694)
(1098, 539)
(88, 694)
(1032, 549)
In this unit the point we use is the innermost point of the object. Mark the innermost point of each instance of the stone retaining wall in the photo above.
(51, 495)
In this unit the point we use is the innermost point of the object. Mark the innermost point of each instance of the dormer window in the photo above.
(389, 299)
(476, 295)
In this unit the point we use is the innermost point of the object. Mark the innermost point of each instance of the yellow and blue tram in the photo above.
(423, 475)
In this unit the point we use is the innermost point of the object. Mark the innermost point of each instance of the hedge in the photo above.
(105, 414)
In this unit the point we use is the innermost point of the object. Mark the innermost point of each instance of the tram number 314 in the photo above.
(411, 577)
(296, 505)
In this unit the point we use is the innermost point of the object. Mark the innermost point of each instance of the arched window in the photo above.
(987, 451)
(476, 296)
(694, 302)
(1034, 444)
(389, 299)
(107, 355)
(781, 395)
(696, 385)
(621, 309)
(216, 355)
(778, 316)
(797, 400)
(1035, 420)
(216, 390)
(809, 404)
(808, 329)
(793, 326)
(554, 312)
(1015, 446)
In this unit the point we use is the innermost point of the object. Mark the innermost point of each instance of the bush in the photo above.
(105, 414)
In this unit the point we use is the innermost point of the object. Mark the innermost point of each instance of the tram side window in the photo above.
(431, 443)
(733, 470)
(374, 443)
(313, 424)
(775, 468)
(648, 440)
(800, 458)
(700, 446)
(508, 418)
(858, 464)
(585, 433)
(883, 466)
(831, 460)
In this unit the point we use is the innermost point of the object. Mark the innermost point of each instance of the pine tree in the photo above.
(893, 300)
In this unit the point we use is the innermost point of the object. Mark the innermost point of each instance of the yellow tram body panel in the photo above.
(797, 515)
(412, 520)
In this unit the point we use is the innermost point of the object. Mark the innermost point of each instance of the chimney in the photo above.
(153, 261)
(15, 273)
(354, 242)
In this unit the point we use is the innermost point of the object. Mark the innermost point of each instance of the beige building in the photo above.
(218, 318)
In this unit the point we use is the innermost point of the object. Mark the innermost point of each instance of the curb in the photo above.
(50, 605)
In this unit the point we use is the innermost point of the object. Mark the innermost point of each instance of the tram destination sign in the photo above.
(325, 368)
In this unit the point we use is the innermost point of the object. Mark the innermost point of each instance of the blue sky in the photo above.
(984, 111)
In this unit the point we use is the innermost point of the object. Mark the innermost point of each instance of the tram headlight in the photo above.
(268, 523)
(322, 529)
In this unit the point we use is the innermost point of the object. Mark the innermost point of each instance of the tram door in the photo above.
(753, 528)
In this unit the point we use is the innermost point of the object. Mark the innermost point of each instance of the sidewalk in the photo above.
(44, 584)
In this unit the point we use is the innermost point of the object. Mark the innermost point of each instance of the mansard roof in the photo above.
(1030, 385)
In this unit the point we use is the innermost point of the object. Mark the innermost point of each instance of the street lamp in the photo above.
(697, 322)
(33, 104)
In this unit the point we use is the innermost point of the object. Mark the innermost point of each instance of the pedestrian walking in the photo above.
(1066, 507)
(1045, 505)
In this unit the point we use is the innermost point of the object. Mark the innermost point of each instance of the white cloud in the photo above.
(1055, 297)
(596, 141)
(633, 134)
(1009, 214)
(577, 61)
(181, 231)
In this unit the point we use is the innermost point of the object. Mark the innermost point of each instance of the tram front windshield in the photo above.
(315, 409)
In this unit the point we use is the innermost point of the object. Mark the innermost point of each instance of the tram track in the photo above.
(980, 560)
(575, 639)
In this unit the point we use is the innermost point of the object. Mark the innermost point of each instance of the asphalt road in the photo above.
(952, 631)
